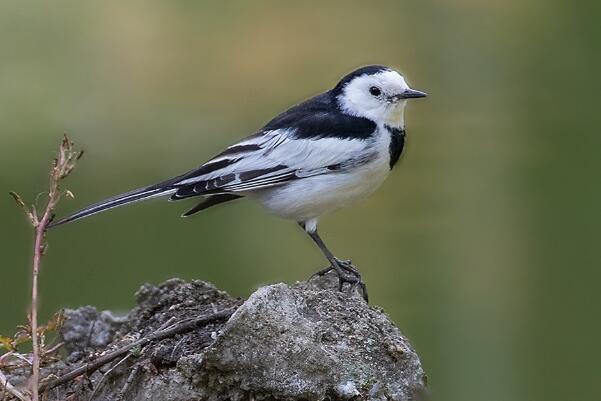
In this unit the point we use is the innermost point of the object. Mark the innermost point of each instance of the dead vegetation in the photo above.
(61, 167)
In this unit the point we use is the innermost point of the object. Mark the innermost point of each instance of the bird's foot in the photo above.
(347, 273)
(344, 265)
(347, 265)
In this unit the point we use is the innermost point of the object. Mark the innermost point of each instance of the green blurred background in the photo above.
(483, 246)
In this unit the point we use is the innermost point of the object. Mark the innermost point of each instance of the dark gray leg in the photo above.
(347, 273)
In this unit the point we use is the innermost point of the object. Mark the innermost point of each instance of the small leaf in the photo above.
(69, 194)
(30, 213)
(22, 335)
(55, 322)
(136, 351)
(17, 199)
(66, 144)
(7, 343)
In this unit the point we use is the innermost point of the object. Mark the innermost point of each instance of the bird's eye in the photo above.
(375, 91)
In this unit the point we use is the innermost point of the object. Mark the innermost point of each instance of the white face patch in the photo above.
(372, 96)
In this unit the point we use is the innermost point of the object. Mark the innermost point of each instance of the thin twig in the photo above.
(61, 167)
(177, 346)
(168, 323)
(53, 349)
(11, 389)
(7, 361)
(157, 335)
(128, 382)
(104, 376)
(90, 333)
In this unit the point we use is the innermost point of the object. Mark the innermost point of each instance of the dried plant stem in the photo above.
(130, 379)
(108, 372)
(38, 252)
(11, 389)
(61, 167)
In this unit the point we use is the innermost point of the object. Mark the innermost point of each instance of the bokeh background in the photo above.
(483, 246)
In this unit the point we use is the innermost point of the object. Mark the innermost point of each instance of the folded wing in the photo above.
(265, 160)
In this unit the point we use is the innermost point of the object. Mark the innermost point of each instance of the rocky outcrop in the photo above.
(306, 342)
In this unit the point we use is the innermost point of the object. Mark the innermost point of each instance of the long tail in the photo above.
(119, 200)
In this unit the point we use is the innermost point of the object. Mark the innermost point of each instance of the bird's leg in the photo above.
(341, 267)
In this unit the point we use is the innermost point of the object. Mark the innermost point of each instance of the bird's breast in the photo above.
(314, 196)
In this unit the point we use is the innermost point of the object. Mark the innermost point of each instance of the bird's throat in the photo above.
(395, 116)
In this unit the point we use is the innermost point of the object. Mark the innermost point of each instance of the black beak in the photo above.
(412, 94)
(407, 94)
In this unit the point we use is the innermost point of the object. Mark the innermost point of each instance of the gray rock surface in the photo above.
(307, 343)
(302, 342)
(86, 329)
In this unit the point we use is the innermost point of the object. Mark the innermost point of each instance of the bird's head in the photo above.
(375, 92)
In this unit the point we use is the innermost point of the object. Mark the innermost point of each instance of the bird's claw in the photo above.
(344, 264)
(343, 267)
(348, 266)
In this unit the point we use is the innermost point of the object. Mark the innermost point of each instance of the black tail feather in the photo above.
(119, 200)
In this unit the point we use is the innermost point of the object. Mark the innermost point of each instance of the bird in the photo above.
(314, 158)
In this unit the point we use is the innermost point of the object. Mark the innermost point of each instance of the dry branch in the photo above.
(179, 328)
(11, 389)
(61, 167)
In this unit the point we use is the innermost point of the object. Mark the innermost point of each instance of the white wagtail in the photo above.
(316, 157)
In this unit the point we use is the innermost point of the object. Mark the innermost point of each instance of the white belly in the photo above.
(309, 198)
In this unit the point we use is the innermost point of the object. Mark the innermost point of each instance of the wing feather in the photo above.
(269, 159)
